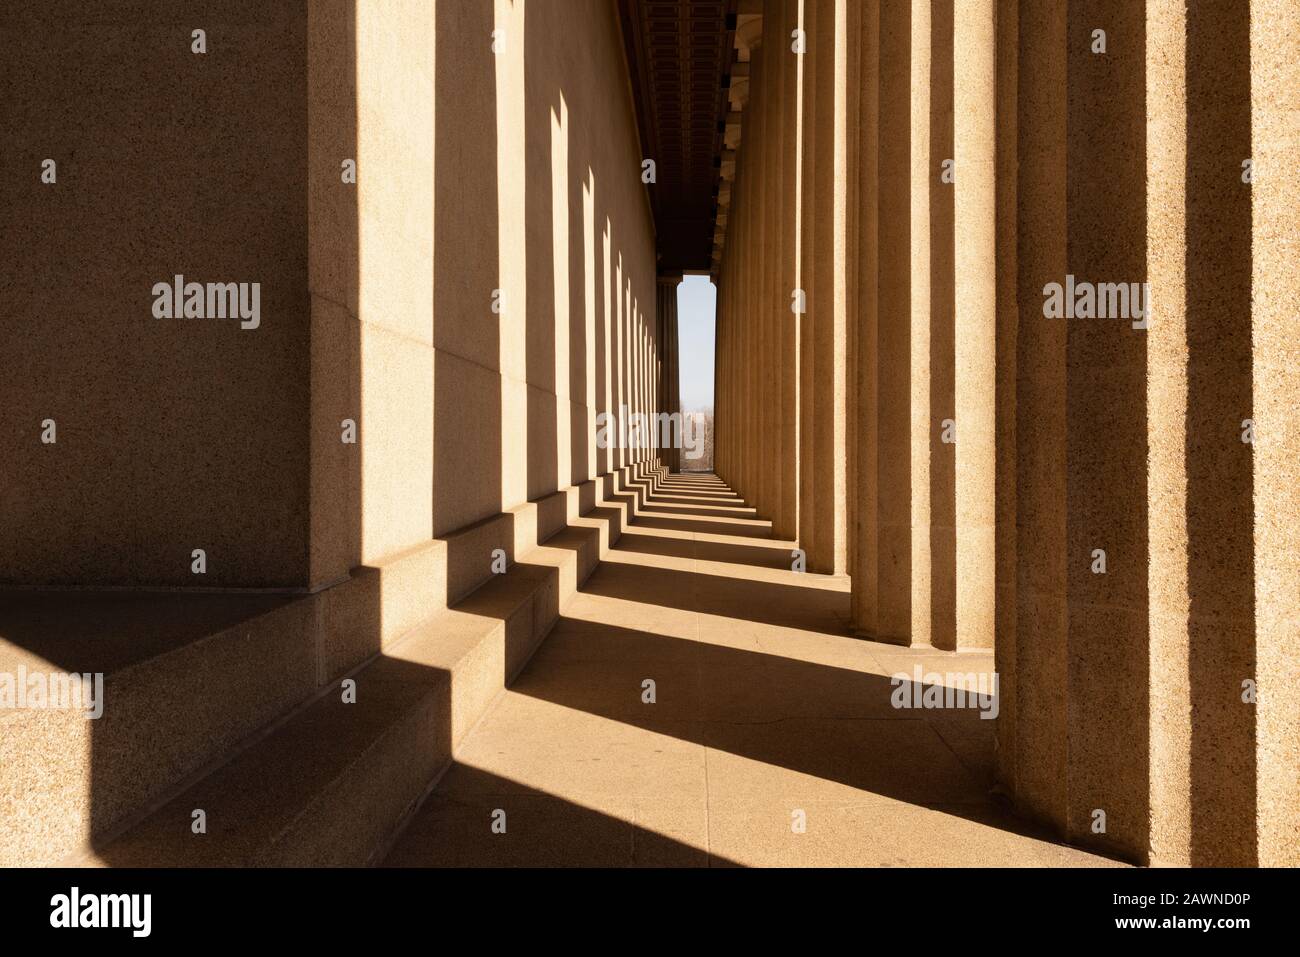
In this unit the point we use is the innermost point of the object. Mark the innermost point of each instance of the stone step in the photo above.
(333, 781)
(190, 679)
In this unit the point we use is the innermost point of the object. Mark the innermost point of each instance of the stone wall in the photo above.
(442, 206)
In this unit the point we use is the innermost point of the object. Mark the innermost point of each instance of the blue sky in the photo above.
(696, 300)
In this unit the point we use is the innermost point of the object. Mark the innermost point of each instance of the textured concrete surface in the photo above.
(488, 286)
(974, 280)
(864, 357)
(184, 677)
(1105, 438)
(1008, 319)
(1275, 375)
(1124, 685)
(828, 295)
(1038, 734)
(764, 707)
(474, 429)
(230, 703)
(172, 434)
(175, 435)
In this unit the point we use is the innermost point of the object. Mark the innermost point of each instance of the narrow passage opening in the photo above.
(697, 300)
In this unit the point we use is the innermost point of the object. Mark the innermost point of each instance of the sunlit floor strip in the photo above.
(697, 712)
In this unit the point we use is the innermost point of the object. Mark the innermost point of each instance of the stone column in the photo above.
(724, 376)
(940, 325)
(1081, 755)
(754, 146)
(920, 422)
(1105, 435)
(773, 54)
(1275, 372)
(884, 605)
(828, 298)
(758, 171)
(1037, 737)
(782, 235)
(1207, 632)
(720, 375)
(1154, 585)
(744, 324)
(863, 375)
(805, 253)
(974, 240)
(764, 101)
(735, 424)
(1008, 321)
(729, 375)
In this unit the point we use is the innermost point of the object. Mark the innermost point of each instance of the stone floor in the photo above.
(766, 715)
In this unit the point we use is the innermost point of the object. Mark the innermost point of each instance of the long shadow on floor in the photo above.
(829, 724)
(835, 724)
(747, 599)
(778, 728)
(497, 822)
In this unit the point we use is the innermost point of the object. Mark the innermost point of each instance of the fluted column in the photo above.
(894, 604)
(804, 196)
(782, 16)
(938, 323)
(828, 296)
(1156, 555)
(1080, 738)
(756, 171)
(1037, 736)
(1008, 321)
(1275, 377)
(974, 113)
(863, 371)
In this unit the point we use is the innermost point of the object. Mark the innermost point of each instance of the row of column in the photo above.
(633, 432)
(1104, 491)
(782, 298)
(922, 446)
(1154, 485)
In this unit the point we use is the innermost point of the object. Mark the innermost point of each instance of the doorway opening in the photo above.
(697, 300)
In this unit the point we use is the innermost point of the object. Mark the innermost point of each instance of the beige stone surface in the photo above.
(488, 287)
(1038, 734)
(1275, 376)
(762, 708)
(975, 276)
(327, 782)
(172, 434)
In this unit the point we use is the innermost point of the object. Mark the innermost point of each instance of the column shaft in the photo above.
(1275, 368)
(975, 284)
